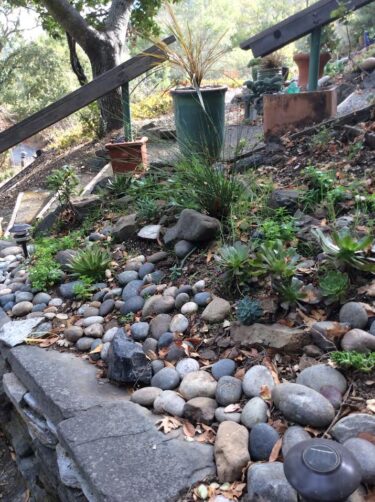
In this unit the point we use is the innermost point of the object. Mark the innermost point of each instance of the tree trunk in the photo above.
(103, 57)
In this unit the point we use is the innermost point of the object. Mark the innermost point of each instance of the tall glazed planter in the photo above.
(200, 130)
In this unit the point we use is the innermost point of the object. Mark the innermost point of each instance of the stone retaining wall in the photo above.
(76, 439)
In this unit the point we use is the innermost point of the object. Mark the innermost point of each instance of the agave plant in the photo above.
(275, 259)
(343, 250)
(119, 185)
(90, 263)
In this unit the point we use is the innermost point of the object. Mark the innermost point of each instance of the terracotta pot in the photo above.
(302, 60)
(128, 156)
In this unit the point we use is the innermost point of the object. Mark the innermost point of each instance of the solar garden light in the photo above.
(21, 234)
(322, 470)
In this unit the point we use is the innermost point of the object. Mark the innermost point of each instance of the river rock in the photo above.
(106, 307)
(203, 298)
(110, 334)
(254, 412)
(41, 298)
(65, 258)
(355, 314)
(88, 321)
(181, 299)
(193, 226)
(364, 452)
(183, 248)
(217, 310)
(84, 343)
(276, 336)
(333, 395)
(261, 441)
(145, 396)
(170, 402)
(21, 309)
(127, 363)
(73, 334)
(139, 331)
(94, 330)
(23, 296)
(352, 425)
(185, 288)
(293, 435)
(257, 378)
(165, 340)
(166, 379)
(303, 405)
(200, 410)
(221, 415)
(158, 256)
(189, 308)
(186, 365)
(150, 345)
(159, 325)
(285, 198)
(267, 482)
(131, 289)
(321, 374)
(128, 276)
(158, 304)
(359, 341)
(231, 451)
(228, 390)
(198, 384)
(146, 268)
(157, 365)
(132, 305)
(179, 324)
(67, 290)
(223, 367)
(105, 351)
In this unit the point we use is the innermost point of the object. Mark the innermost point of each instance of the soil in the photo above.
(12, 485)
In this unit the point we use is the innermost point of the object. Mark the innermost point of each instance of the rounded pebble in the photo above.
(255, 379)
(261, 441)
(254, 412)
(228, 390)
(224, 367)
(189, 308)
(186, 366)
(140, 331)
(354, 314)
(166, 379)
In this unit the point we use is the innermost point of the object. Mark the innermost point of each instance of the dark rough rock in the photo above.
(267, 482)
(275, 336)
(84, 205)
(261, 441)
(200, 410)
(125, 228)
(127, 363)
(303, 405)
(183, 248)
(285, 198)
(193, 226)
(352, 425)
(171, 465)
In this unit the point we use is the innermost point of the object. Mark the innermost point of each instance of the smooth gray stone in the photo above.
(159, 325)
(169, 402)
(106, 307)
(145, 396)
(166, 379)
(224, 367)
(187, 365)
(364, 452)
(254, 412)
(61, 382)
(193, 226)
(181, 299)
(293, 435)
(127, 276)
(183, 248)
(109, 334)
(320, 375)
(132, 289)
(228, 390)
(146, 268)
(84, 343)
(255, 378)
(67, 290)
(268, 482)
(261, 441)
(350, 426)
(157, 365)
(203, 299)
(41, 298)
(132, 305)
(165, 340)
(222, 416)
(139, 331)
(172, 466)
(39, 307)
(148, 291)
(23, 296)
(354, 314)
(73, 333)
(303, 405)
(150, 345)
(15, 332)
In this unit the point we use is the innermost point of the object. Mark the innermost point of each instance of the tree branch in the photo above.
(72, 21)
(74, 60)
(118, 16)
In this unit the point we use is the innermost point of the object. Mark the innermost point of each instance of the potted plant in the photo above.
(271, 66)
(199, 111)
(329, 43)
(128, 156)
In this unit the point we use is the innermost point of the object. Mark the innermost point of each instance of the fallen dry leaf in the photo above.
(168, 424)
(97, 349)
(269, 364)
(265, 392)
(371, 405)
(368, 290)
(275, 451)
(47, 342)
(189, 429)
(232, 408)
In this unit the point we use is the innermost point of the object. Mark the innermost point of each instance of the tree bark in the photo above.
(103, 48)
(75, 62)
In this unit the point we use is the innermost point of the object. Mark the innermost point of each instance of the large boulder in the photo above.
(193, 226)
(127, 363)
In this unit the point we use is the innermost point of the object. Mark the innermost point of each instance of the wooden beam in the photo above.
(296, 26)
(82, 97)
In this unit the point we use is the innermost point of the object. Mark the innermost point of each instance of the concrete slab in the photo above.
(62, 383)
(122, 457)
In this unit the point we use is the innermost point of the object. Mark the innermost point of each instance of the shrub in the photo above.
(90, 263)
(208, 188)
(64, 181)
(45, 273)
(152, 106)
(147, 209)
(84, 290)
(119, 185)
(343, 250)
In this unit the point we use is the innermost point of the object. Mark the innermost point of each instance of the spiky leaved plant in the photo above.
(248, 311)
(90, 263)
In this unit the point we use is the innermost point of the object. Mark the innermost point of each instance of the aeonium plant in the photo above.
(194, 53)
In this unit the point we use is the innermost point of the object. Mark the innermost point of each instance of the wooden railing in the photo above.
(97, 88)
